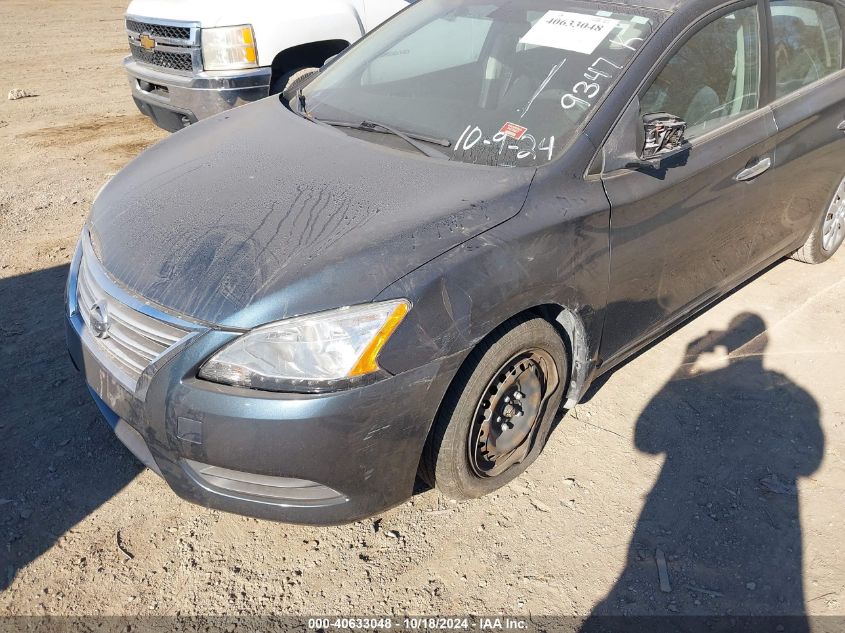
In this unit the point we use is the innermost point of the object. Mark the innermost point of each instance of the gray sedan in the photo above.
(412, 260)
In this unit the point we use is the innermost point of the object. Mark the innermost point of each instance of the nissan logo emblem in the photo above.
(99, 315)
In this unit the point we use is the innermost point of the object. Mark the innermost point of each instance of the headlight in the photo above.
(229, 48)
(312, 351)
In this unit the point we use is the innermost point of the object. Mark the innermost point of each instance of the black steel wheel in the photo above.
(509, 411)
(497, 414)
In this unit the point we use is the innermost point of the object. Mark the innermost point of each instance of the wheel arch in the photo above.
(305, 54)
(571, 329)
(448, 324)
(568, 326)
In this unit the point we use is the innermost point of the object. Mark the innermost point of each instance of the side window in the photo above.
(808, 43)
(714, 77)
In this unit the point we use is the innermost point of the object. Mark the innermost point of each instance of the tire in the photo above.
(828, 234)
(291, 80)
(524, 360)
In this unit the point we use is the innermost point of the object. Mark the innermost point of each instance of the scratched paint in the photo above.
(220, 216)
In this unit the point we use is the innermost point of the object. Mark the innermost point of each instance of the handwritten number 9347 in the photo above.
(584, 92)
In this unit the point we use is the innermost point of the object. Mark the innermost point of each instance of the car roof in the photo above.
(666, 5)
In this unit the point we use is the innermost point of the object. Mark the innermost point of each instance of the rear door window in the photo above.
(807, 39)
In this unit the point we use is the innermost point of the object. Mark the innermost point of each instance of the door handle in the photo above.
(760, 167)
(841, 127)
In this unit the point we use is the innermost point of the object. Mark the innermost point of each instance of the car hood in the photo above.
(257, 214)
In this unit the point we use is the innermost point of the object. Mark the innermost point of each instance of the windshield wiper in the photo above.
(408, 137)
(301, 110)
(374, 126)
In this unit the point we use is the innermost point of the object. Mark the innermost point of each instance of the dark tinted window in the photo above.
(808, 43)
(714, 77)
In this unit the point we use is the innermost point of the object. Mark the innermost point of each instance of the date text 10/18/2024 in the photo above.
(420, 624)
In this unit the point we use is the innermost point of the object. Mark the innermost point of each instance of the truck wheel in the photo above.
(291, 79)
(497, 414)
(828, 234)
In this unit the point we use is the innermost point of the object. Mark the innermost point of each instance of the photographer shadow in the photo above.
(59, 461)
(724, 513)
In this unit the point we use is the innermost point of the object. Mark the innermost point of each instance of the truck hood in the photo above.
(258, 214)
(207, 12)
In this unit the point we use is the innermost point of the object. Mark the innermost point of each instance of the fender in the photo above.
(303, 23)
(446, 300)
(552, 258)
(582, 365)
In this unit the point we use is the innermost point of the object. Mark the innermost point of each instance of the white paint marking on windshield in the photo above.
(543, 86)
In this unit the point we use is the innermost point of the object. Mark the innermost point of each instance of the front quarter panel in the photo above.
(554, 252)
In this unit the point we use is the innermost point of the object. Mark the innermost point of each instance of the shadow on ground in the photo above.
(724, 513)
(59, 460)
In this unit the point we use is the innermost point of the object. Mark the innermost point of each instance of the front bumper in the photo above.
(174, 101)
(300, 458)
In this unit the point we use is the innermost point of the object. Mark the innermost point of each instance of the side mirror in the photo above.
(664, 134)
(643, 142)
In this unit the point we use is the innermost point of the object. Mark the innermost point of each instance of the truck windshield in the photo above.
(507, 82)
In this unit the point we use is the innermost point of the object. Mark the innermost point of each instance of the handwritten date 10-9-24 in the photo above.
(526, 147)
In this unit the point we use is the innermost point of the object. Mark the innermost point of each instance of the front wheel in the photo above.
(498, 412)
(828, 234)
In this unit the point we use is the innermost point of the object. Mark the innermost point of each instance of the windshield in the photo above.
(501, 82)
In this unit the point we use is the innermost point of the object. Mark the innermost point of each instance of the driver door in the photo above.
(683, 232)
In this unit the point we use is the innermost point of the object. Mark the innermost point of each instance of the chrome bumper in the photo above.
(174, 101)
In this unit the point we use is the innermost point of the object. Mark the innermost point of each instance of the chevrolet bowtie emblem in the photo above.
(147, 43)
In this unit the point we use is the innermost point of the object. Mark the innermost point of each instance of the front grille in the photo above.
(133, 340)
(159, 30)
(174, 47)
(173, 61)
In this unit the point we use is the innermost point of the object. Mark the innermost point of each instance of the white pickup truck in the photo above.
(191, 59)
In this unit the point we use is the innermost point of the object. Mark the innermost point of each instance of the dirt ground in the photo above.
(723, 454)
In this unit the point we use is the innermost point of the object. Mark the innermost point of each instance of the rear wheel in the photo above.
(498, 412)
(828, 234)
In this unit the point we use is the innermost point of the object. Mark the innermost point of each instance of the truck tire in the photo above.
(499, 410)
(291, 80)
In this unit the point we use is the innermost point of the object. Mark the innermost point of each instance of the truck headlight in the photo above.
(315, 350)
(229, 48)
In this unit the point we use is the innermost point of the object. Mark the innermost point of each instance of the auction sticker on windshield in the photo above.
(568, 31)
(513, 130)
